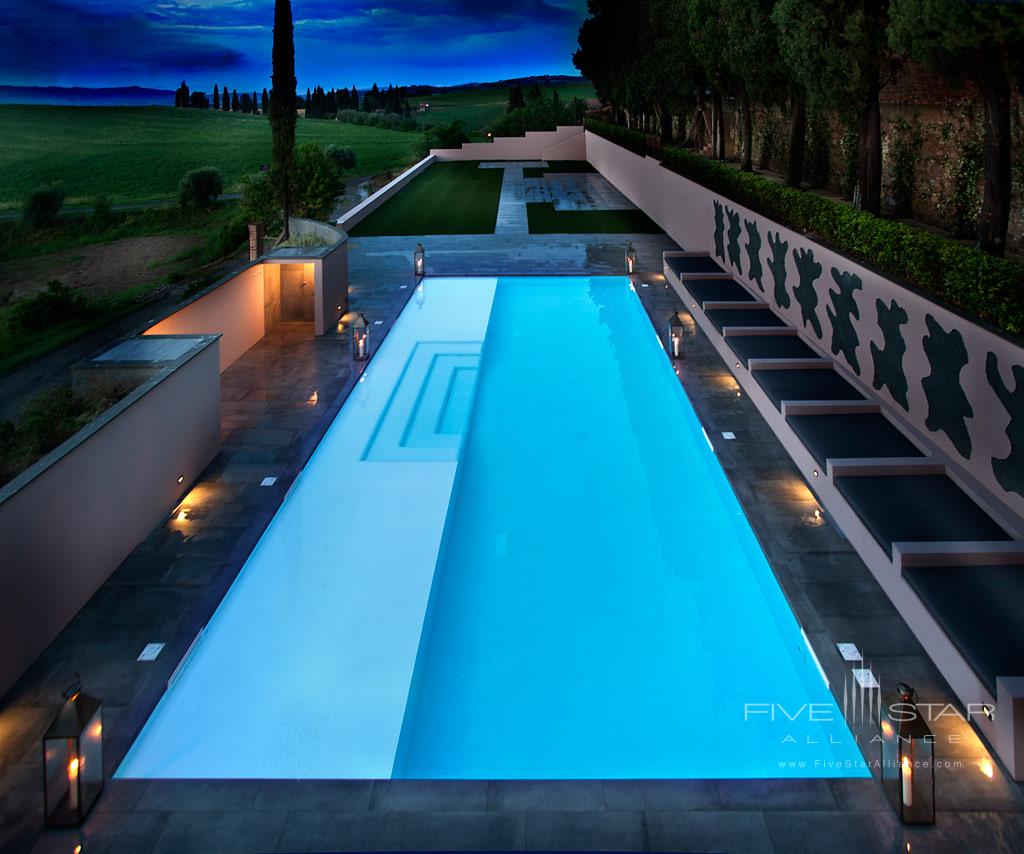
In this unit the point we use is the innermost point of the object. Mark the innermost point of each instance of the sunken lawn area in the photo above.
(447, 198)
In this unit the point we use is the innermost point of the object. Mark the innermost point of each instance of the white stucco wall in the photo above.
(567, 142)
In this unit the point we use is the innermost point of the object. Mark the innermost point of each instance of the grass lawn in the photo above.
(544, 219)
(448, 198)
(561, 166)
(132, 154)
(480, 107)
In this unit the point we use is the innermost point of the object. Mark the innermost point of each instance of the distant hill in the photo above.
(83, 96)
(542, 80)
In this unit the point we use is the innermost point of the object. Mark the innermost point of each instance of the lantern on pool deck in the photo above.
(419, 259)
(73, 759)
(908, 757)
(676, 344)
(630, 258)
(360, 339)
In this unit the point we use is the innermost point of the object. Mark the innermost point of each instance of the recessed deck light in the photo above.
(150, 652)
(815, 472)
(181, 478)
(849, 652)
(268, 481)
(728, 434)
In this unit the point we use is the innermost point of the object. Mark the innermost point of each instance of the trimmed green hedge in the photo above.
(986, 287)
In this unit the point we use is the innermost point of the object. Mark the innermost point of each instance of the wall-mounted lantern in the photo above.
(73, 759)
(630, 258)
(676, 341)
(360, 339)
(419, 261)
(908, 757)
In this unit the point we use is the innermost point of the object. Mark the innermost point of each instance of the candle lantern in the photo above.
(360, 339)
(676, 343)
(630, 258)
(419, 258)
(73, 759)
(908, 757)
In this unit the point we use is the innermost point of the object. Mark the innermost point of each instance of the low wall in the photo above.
(233, 308)
(953, 382)
(567, 142)
(70, 520)
(361, 211)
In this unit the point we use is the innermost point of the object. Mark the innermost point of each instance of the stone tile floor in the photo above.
(576, 191)
(278, 401)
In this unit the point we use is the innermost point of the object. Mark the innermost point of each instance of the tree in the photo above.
(709, 38)
(216, 97)
(198, 100)
(836, 50)
(245, 102)
(181, 96)
(225, 101)
(343, 156)
(43, 207)
(282, 104)
(316, 181)
(200, 188)
(516, 100)
(236, 107)
(265, 101)
(982, 43)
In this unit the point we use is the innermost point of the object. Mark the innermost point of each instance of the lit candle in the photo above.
(907, 777)
(361, 345)
(73, 766)
(675, 346)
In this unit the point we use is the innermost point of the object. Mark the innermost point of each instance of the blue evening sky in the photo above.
(337, 42)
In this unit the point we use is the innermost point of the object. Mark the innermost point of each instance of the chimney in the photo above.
(255, 240)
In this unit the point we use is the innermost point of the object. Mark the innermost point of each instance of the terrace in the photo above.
(279, 398)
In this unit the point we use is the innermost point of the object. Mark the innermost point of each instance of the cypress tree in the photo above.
(355, 99)
(235, 107)
(282, 105)
(255, 103)
(265, 101)
(216, 97)
(225, 101)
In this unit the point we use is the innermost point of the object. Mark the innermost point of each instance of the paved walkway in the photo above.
(278, 401)
(512, 204)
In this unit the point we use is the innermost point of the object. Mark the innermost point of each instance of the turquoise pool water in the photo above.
(568, 586)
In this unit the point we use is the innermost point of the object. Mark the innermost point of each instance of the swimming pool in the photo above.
(513, 555)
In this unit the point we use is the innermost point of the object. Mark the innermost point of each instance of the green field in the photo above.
(479, 107)
(544, 219)
(448, 198)
(140, 153)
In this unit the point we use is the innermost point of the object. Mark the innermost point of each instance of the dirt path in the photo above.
(100, 269)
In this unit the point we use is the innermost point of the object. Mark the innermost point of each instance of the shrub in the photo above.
(102, 211)
(984, 286)
(261, 203)
(49, 418)
(232, 234)
(200, 188)
(445, 136)
(58, 303)
(43, 207)
(343, 156)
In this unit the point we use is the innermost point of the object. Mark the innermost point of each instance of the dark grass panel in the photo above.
(851, 435)
(917, 508)
(979, 608)
(692, 264)
(544, 219)
(722, 317)
(448, 198)
(747, 347)
(808, 384)
(560, 166)
(716, 290)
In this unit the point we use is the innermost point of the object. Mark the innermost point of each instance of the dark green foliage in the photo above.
(516, 101)
(777, 266)
(343, 156)
(43, 207)
(200, 188)
(754, 268)
(56, 304)
(388, 121)
(446, 136)
(988, 288)
(818, 162)
(282, 103)
(535, 115)
(806, 296)
(888, 360)
(841, 314)
(1009, 470)
(102, 212)
(965, 204)
(734, 239)
(198, 101)
(948, 406)
(316, 182)
(905, 149)
(231, 236)
(261, 202)
(719, 230)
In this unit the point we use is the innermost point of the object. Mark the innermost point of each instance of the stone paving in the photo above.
(512, 203)
(279, 399)
(577, 191)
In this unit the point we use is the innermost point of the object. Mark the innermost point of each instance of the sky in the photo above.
(337, 42)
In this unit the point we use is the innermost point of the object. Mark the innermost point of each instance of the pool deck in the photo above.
(272, 420)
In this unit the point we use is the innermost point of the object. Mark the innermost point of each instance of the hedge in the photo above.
(989, 288)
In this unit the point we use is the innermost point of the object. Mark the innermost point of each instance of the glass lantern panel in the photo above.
(62, 770)
(91, 760)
